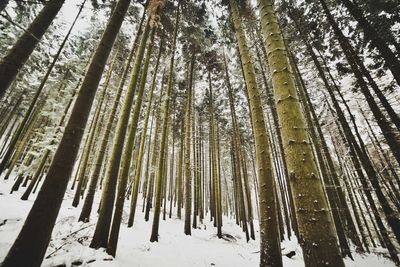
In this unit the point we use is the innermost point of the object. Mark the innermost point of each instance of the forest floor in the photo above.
(70, 240)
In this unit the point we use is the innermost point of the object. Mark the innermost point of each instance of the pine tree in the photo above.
(100, 236)
(22, 49)
(312, 210)
(164, 135)
(270, 252)
(41, 218)
(187, 161)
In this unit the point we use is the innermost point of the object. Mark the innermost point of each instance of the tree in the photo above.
(312, 210)
(164, 135)
(187, 163)
(41, 218)
(20, 52)
(270, 252)
(100, 236)
(391, 60)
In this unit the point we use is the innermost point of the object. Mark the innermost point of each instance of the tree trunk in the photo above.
(41, 219)
(270, 252)
(22, 49)
(164, 136)
(100, 236)
(87, 205)
(188, 176)
(312, 210)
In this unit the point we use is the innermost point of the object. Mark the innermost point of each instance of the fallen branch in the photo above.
(70, 234)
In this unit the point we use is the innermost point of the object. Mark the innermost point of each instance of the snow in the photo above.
(70, 240)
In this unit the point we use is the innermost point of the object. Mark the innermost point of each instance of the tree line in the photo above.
(278, 113)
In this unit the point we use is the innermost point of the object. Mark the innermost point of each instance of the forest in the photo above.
(199, 133)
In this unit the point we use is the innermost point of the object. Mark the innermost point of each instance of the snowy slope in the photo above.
(70, 240)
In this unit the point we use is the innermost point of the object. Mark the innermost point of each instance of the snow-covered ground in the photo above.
(70, 240)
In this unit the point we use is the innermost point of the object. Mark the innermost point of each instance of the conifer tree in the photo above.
(270, 252)
(100, 236)
(31, 244)
(164, 135)
(312, 210)
(22, 49)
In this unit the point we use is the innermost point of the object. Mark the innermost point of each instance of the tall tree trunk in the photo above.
(187, 161)
(151, 165)
(83, 164)
(139, 160)
(270, 252)
(215, 174)
(41, 218)
(22, 49)
(180, 173)
(329, 187)
(100, 236)
(129, 147)
(312, 210)
(87, 205)
(355, 151)
(164, 136)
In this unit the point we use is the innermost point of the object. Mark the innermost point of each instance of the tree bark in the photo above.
(23, 48)
(312, 210)
(41, 218)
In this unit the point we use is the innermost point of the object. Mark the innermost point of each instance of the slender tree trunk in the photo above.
(153, 163)
(215, 174)
(164, 137)
(100, 236)
(329, 187)
(270, 252)
(87, 205)
(180, 174)
(81, 175)
(188, 174)
(139, 160)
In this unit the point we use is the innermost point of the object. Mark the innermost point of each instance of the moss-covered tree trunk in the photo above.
(152, 164)
(100, 236)
(187, 161)
(83, 164)
(87, 206)
(214, 156)
(360, 160)
(326, 177)
(279, 155)
(270, 252)
(129, 147)
(139, 160)
(320, 247)
(180, 174)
